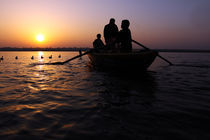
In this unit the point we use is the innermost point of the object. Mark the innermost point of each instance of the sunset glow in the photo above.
(75, 23)
(40, 37)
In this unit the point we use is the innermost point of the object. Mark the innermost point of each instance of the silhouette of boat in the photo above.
(123, 61)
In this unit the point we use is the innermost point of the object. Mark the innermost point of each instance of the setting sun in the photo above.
(40, 37)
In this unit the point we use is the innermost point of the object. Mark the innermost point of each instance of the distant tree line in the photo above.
(42, 49)
(85, 49)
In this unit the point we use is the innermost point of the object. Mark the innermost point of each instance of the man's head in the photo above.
(125, 24)
(112, 21)
(98, 36)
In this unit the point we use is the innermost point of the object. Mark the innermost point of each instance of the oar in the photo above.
(61, 63)
(150, 49)
(77, 56)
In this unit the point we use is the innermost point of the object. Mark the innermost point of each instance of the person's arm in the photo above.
(130, 38)
(105, 31)
(117, 28)
(102, 43)
(94, 44)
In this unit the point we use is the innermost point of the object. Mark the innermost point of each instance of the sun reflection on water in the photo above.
(40, 55)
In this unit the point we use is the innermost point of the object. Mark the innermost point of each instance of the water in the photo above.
(74, 101)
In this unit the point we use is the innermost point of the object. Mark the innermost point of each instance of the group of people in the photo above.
(115, 40)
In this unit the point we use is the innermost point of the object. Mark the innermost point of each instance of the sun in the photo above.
(40, 37)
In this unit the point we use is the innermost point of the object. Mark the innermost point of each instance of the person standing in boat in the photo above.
(110, 33)
(98, 43)
(125, 38)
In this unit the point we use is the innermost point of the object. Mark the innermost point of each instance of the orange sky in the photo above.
(75, 23)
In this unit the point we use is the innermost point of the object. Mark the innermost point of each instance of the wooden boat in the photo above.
(123, 61)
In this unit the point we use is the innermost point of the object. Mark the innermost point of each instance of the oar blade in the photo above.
(77, 56)
(150, 49)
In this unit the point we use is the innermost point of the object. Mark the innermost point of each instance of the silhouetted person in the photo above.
(32, 57)
(125, 38)
(110, 33)
(16, 57)
(98, 43)
(59, 56)
(50, 57)
(2, 58)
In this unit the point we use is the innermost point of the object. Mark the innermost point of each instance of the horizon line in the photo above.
(87, 48)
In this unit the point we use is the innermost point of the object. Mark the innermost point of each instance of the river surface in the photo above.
(74, 101)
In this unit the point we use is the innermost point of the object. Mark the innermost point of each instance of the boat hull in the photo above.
(123, 61)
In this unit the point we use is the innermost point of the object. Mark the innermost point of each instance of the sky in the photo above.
(168, 24)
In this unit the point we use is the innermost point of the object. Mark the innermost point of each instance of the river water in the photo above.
(74, 101)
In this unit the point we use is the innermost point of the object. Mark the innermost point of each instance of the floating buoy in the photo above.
(80, 52)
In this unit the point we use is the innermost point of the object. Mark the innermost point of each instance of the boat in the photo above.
(122, 61)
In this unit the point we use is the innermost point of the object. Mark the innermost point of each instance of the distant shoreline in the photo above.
(85, 49)
(43, 49)
(183, 51)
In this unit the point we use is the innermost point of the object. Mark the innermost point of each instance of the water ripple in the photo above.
(73, 101)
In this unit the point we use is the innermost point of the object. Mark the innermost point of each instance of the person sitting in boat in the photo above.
(110, 33)
(125, 38)
(98, 43)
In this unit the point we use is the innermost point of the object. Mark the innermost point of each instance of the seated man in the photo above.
(98, 43)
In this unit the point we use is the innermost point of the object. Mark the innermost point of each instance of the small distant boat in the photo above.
(50, 57)
(123, 61)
